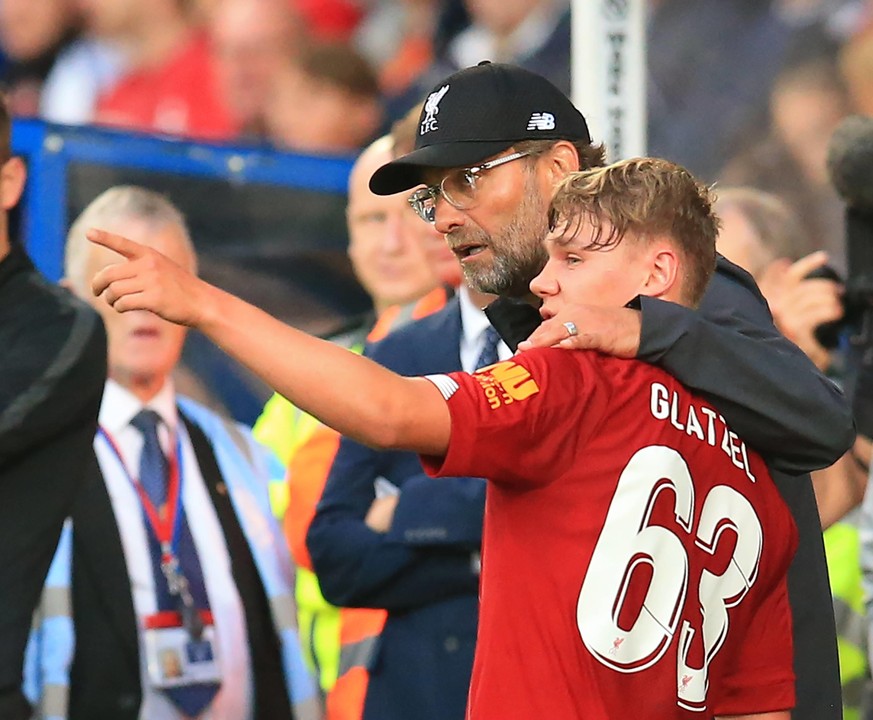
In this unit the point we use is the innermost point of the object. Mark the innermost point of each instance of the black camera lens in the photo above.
(828, 334)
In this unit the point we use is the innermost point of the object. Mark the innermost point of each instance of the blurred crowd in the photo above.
(742, 92)
(745, 93)
(740, 87)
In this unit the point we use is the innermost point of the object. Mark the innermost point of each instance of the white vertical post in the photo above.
(609, 72)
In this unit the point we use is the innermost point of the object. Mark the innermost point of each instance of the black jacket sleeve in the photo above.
(52, 373)
(769, 392)
(53, 366)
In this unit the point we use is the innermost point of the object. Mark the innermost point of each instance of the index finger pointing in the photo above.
(121, 245)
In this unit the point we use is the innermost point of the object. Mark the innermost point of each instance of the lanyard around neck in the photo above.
(165, 524)
(166, 528)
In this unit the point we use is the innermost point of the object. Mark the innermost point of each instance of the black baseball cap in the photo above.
(476, 113)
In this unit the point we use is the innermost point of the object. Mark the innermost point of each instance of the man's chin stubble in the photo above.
(505, 281)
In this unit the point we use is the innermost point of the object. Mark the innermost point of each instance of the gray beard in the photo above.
(518, 255)
(507, 276)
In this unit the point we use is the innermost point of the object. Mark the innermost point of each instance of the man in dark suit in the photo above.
(387, 536)
(179, 581)
(52, 370)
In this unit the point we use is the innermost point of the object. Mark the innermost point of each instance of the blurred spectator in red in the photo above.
(807, 103)
(252, 40)
(326, 100)
(334, 20)
(170, 86)
(32, 34)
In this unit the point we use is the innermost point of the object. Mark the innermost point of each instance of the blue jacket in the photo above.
(424, 571)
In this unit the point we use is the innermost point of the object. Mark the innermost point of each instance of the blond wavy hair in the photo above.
(643, 197)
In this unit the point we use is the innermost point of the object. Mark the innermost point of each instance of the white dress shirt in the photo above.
(474, 323)
(119, 407)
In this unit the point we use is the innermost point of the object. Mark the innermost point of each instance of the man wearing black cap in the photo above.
(614, 585)
(492, 143)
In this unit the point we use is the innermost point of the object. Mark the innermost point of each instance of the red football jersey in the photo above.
(179, 97)
(634, 550)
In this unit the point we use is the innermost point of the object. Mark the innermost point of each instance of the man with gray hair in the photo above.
(162, 633)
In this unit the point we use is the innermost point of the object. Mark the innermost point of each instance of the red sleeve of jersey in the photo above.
(522, 421)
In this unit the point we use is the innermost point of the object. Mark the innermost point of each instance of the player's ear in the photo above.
(664, 277)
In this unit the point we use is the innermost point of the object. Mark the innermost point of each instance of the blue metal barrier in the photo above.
(268, 225)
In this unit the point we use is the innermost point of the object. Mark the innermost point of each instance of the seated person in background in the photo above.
(762, 235)
(251, 43)
(325, 100)
(173, 543)
(169, 85)
(534, 34)
(807, 102)
(33, 34)
(87, 67)
(580, 617)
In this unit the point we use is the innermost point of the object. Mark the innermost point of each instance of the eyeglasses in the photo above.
(458, 188)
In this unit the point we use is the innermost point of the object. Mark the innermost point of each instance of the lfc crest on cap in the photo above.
(431, 108)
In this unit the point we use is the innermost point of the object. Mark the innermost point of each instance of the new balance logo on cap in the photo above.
(541, 121)
(431, 108)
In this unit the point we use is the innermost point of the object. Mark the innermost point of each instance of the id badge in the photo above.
(174, 659)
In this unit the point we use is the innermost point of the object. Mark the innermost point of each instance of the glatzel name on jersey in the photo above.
(702, 422)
